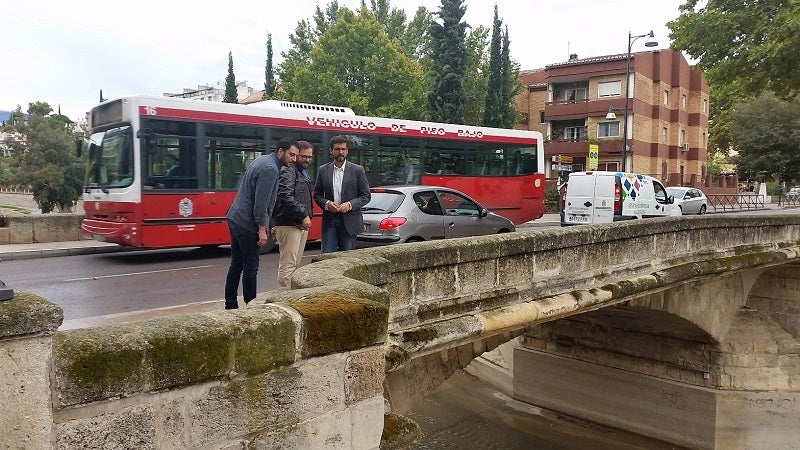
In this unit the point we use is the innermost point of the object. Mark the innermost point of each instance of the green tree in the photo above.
(493, 113)
(447, 63)
(767, 135)
(476, 75)
(354, 63)
(45, 159)
(231, 163)
(231, 95)
(512, 86)
(744, 48)
(269, 74)
(296, 57)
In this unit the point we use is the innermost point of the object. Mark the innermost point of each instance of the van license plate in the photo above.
(574, 218)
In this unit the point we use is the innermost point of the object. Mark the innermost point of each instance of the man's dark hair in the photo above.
(285, 143)
(303, 145)
(338, 140)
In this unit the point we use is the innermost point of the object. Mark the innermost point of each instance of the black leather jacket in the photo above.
(294, 197)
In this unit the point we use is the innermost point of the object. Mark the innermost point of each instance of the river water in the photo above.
(465, 413)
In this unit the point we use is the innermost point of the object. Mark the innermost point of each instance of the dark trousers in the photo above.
(244, 265)
(335, 236)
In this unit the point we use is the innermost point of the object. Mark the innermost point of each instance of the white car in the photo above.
(689, 200)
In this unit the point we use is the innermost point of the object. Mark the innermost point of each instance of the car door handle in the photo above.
(451, 224)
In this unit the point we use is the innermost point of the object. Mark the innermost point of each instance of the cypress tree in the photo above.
(230, 83)
(269, 75)
(510, 86)
(448, 59)
(493, 112)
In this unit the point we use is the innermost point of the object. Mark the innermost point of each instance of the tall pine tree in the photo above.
(448, 58)
(269, 75)
(493, 112)
(511, 85)
(231, 163)
(230, 83)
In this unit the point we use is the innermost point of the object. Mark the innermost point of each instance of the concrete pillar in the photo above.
(27, 324)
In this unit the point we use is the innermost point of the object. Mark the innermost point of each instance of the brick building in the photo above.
(569, 103)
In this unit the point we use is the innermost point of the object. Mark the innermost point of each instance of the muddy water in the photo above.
(465, 413)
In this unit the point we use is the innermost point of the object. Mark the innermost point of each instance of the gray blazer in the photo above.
(355, 189)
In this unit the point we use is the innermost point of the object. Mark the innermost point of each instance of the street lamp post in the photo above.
(651, 42)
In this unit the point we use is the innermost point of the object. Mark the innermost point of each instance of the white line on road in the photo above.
(140, 273)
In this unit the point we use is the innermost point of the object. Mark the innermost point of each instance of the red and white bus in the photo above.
(161, 171)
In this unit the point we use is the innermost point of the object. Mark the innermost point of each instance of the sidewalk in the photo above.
(48, 249)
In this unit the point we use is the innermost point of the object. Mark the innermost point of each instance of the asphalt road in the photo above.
(101, 284)
(111, 283)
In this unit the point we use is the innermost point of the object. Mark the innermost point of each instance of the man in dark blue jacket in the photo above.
(248, 219)
(293, 212)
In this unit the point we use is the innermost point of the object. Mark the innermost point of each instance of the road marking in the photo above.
(140, 273)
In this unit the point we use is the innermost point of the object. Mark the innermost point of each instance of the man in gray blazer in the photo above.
(341, 190)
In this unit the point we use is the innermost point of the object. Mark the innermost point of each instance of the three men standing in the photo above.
(249, 217)
(341, 190)
(293, 212)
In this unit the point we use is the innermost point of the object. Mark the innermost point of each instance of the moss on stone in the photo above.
(396, 357)
(334, 322)
(27, 313)
(399, 432)
(420, 335)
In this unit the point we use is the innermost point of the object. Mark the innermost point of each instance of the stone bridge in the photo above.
(684, 329)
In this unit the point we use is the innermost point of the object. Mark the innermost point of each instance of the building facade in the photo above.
(667, 114)
(213, 93)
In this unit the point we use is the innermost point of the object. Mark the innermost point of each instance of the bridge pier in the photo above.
(662, 370)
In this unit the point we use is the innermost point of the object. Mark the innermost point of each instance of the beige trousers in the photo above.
(291, 244)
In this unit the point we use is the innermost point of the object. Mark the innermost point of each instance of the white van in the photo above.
(604, 197)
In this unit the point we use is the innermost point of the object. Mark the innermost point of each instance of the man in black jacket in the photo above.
(292, 213)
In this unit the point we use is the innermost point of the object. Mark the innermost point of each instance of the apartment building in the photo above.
(583, 101)
(211, 93)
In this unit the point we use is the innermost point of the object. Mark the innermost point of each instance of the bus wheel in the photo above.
(269, 246)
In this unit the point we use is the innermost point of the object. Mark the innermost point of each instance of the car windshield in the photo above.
(676, 192)
(383, 202)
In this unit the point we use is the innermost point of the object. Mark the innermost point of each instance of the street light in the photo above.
(651, 42)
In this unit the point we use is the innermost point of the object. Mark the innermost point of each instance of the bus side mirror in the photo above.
(93, 148)
(148, 138)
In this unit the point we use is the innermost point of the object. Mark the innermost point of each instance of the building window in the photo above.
(574, 94)
(663, 170)
(609, 89)
(705, 105)
(683, 101)
(704, 140)
(682, 138)
(664, 135)
(608, 129)
(575, 133)
(541, 116)
(666, 97)
(611, 166)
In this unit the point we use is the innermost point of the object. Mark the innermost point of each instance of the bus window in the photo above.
(228, 151)
(172, 141)
(321, 152)
(398, 160)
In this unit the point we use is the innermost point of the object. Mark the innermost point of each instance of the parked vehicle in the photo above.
(604, 197)
(793, 193)
(689, 200)
(421, 213)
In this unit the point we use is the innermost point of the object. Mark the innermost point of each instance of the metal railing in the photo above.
(735, 202)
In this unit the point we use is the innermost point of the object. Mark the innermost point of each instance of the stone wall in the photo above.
(27, 229)
(302, 373)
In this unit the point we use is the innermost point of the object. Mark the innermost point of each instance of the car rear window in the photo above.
(383, 201)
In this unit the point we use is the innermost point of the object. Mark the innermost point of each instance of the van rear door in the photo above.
(590, 198)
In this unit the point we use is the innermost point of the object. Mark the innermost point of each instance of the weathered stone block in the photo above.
(363, 375)
(128, 428)
(26, 314)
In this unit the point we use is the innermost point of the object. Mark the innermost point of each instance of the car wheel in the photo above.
(702, 210)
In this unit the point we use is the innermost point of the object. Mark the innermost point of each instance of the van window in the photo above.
(660, 192)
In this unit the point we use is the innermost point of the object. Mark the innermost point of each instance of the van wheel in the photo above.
(702, 210)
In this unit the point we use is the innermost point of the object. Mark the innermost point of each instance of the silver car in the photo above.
(689, 200)
(421, 213)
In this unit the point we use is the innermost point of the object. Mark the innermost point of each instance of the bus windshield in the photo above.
(110, 162)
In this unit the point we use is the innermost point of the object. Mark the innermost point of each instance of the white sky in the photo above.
(64, 52)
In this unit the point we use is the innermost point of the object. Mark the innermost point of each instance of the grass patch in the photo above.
(16, 208)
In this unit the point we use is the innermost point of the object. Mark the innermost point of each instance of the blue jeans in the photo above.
(335, 236)
(244, 265)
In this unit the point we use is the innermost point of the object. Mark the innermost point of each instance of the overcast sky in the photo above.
(64, 52)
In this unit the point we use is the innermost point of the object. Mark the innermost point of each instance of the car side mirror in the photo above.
(483, 213)
(671, 199)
